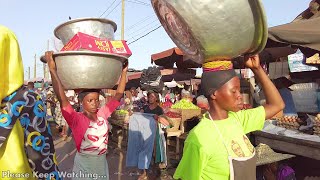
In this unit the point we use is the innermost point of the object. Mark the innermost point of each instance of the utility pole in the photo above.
(45, 75)
(119, 144)
(122, 20)
(44, 70)
(29, 73)
(35, 66)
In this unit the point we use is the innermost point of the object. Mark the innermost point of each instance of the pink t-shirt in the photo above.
(91, 137)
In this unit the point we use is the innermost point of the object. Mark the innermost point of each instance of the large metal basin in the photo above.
(101, 28)
(207, 30)
(88, 70)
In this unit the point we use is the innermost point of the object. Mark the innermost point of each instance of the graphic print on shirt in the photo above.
(248, 143)
(236, 148)
(95, 141)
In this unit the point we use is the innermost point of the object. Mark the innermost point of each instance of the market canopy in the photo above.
(172, 56)
(167, 76)
(303, 33)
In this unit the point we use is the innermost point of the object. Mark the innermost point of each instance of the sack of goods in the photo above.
(151, 80)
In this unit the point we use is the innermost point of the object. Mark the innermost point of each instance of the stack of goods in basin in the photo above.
(90, 58)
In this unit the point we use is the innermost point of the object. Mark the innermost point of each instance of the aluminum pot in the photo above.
(208, 30)
(101, 28)
(88, 70)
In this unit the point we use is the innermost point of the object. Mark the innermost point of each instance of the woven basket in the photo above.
(190, 113)
(187, 113)
(176, 124)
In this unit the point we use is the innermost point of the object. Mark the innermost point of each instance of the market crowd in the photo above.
(216, 146)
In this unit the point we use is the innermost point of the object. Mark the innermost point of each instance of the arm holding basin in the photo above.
(122, 83)
(56, 83)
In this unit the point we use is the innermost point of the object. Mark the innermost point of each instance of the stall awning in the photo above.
(168, 74)
(303, 32)
(169, 57)
(166, 53)
(190, 82)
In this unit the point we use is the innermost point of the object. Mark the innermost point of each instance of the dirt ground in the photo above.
(66, 151)
(305, 168)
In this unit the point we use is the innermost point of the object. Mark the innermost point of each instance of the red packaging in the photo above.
(82, 41)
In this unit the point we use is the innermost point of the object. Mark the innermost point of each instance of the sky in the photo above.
(34, 22)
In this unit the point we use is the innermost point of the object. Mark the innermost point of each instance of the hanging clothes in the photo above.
(141, 136)
(161, 150)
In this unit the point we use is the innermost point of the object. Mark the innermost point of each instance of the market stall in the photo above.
(297, 131)
(290, 142)
(302, 32)
(171, 57)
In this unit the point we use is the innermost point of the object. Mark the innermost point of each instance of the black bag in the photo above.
(151, 80)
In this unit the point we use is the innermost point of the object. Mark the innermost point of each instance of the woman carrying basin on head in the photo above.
(89, 127)
(218, 148)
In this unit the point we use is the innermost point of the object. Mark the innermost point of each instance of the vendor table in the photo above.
(280, 139)
(291, 145)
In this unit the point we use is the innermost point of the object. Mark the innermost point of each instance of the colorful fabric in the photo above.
(79, 123)
(204, 154)
(11, 66)
(26, 143)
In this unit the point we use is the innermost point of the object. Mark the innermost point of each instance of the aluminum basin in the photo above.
(88, 70)
(101, 28)
(208, 30)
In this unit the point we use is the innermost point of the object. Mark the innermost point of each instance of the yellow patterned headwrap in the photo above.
(217, 66)
(11, 67)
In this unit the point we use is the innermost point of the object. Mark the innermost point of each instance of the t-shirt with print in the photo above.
(205, 156)
(91, 137)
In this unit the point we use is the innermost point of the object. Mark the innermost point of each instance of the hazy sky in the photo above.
(34, 21)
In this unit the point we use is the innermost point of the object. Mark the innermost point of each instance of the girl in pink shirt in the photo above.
(90, 127)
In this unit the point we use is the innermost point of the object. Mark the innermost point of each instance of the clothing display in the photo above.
(141, 136)
(161, 149)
